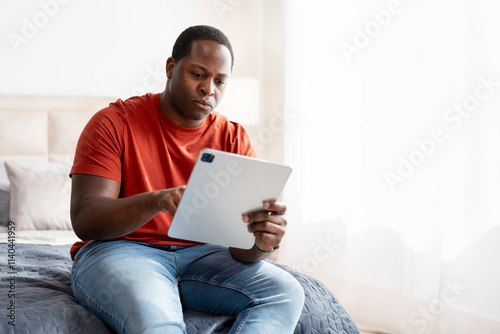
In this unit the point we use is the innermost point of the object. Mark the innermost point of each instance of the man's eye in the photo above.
(221, 82)
(197, 75)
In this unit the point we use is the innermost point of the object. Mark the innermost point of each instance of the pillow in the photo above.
(4, 196)
(39, 195)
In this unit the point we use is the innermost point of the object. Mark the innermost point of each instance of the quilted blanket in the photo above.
(36, 297)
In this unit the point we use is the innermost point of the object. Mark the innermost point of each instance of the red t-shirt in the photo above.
(134, 143)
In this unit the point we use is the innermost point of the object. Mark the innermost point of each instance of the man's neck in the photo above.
(169, 111)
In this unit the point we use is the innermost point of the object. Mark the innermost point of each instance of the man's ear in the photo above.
(170, 67)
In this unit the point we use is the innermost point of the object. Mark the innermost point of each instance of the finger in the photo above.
(269, 236)
(278, 207)
(172, 198)
(259, 216)
(262, 217)
(179, 189)
(172, 203)
(266, 227)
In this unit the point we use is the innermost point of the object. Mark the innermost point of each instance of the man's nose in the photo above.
(207, 87)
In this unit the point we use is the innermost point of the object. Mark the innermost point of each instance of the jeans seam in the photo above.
(242, 322)
(97, 305)
(254, 300)
(177, 266)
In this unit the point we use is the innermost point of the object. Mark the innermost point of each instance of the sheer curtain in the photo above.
(393, 130)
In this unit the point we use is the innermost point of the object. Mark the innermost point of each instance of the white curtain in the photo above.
(393, 130)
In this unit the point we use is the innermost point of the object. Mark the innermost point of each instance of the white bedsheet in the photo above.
(40, 237)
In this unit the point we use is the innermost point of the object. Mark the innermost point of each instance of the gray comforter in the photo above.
(36, 297)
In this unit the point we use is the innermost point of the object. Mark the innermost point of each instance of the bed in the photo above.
(37, 139)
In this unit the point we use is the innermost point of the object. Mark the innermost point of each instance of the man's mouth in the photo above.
(203, 104)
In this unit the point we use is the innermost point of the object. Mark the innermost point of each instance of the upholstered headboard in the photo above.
(38, 137)
(44, 128)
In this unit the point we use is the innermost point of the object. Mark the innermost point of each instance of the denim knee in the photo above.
(296, 295)
(289, 292)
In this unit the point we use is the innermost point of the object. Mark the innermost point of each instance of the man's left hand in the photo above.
(268, 226)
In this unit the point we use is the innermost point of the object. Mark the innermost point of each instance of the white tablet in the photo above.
(221, 188)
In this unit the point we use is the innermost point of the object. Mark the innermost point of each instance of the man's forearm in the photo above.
(107, 218)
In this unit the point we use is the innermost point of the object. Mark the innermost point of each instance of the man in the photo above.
(132, 162)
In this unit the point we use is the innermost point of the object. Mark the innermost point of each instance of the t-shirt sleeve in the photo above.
(99, 148)
(243, 144)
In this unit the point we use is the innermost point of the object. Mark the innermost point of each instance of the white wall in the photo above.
(106, 48)
(118, 49)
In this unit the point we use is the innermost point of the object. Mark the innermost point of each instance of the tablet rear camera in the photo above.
(207, 157)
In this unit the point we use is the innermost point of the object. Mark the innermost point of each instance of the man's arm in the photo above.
(268, 227)
(98, 213)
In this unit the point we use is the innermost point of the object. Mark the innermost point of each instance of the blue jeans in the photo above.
(140, 288)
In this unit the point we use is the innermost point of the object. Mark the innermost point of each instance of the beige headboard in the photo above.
(44, 128)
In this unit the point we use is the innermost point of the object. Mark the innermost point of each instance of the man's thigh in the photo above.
(128, 285)
(211, 281)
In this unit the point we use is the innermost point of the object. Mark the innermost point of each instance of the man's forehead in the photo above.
(207, 54)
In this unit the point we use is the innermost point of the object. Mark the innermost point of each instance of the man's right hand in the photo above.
(98, 213)
(168, 199)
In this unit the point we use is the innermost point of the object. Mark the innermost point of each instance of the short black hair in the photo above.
(184, 42)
